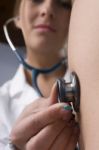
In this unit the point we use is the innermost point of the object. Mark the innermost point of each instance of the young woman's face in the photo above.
(44, 23)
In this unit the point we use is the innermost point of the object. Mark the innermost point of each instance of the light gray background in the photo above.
(8, 63)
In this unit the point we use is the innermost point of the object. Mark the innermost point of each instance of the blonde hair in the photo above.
(16, 8)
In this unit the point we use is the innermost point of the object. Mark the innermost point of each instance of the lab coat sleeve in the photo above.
(5, 125)
(4, 138)
(7, 147)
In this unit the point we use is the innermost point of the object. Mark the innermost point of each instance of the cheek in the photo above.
(26, 23)
(64, 29)
(65, 25)
(27, 15)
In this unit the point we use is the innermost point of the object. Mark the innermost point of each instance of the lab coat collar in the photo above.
(18, 82)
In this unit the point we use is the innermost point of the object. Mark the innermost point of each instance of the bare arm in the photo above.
(83, 54)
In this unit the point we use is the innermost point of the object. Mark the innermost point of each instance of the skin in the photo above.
(41, 45)
(83, 54)
(42, 121)
(44, 124)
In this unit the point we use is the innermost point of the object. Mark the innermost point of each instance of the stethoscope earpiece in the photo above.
(69, 91)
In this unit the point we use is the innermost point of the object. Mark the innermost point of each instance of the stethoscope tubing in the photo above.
(35, 71)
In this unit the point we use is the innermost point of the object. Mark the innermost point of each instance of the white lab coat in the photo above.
(15, 95)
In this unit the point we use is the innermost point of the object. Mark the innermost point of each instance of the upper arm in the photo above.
(83, 54)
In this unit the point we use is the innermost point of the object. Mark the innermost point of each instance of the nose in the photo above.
(47, 9)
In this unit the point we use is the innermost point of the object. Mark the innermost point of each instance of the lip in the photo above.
(45, 27)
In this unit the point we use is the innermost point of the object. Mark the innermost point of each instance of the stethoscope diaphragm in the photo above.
(69, 91)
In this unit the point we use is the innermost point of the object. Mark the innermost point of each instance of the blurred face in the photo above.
(44, 23)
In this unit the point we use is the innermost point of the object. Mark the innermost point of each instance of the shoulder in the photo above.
(4, 101)
(5, 90)
(12, 86)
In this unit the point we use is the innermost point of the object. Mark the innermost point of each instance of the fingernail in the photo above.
(66, 112)
(67, 107)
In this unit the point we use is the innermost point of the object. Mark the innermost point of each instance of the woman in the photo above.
(38, 123)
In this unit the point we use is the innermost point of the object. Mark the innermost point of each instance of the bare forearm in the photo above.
(83, 54)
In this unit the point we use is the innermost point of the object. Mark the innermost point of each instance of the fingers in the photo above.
(48, 116)
(40, 104)
(54, 94)
(45, 138)
(34, 107)
(73, 140)
(37, 116)
(63, 138)
(67, 140)
(32, 124)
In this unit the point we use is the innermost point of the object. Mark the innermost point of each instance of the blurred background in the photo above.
(8, 61)
(6, 11)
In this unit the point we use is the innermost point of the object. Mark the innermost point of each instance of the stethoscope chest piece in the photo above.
(69, 91)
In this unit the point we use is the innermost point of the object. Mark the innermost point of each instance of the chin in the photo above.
(43, 45)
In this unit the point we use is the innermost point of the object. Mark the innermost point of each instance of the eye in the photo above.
(65, 3)
(37, 1)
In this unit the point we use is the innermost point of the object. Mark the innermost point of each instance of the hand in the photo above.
(53, 138)
(40, 122)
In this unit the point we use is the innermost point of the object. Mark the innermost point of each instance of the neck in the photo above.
(39, 60)
(53, 75)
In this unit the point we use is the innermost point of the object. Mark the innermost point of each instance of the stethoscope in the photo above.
(67, 91)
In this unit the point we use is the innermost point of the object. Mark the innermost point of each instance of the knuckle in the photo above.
(16, 140)
(13, 137)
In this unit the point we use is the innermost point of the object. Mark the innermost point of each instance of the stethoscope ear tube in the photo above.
(69, 91)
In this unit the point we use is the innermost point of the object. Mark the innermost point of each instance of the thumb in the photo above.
(54, 94)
